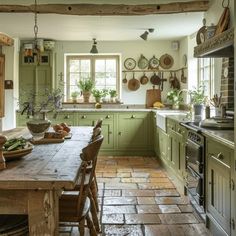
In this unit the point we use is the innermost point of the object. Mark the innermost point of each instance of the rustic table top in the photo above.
(48, 166)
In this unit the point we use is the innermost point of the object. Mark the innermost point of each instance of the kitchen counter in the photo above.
(105, 110)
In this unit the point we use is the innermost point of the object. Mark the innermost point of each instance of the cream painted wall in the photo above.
(127, 49)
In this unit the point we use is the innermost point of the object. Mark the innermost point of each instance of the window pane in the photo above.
(110, 65)
(85, 66)
(100, 65)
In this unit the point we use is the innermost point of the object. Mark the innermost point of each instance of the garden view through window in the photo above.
(102, 69)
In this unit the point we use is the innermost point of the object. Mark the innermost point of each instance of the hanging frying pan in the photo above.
(155, 79)
(144, 79)
(133, 84)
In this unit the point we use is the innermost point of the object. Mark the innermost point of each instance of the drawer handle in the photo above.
(83, 117)
(67, 117)
(220, 156)
(133, 116)
(108, 117)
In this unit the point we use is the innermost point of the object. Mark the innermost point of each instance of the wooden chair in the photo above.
(75, 206)
(98, 124)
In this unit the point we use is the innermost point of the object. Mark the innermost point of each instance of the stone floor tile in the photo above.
(120, 200)
(157, 230)
(140, 174)
(100, 192)
(183, 218)
(142, 219)
(158, 174)
(146, 200)
(169, 208)
(172, 200)
(134, 180)
(123, 174)
(156, 186)
(199, 229)
(112, 193)
(99, 174)
(113, 219)
(108, 174)
(108, 180)
(159, 180)
(119, 209)
(148, 209)
(166, 193)
(121, 186)
(100, 186)
(138, 193)
(185, 208)
(124, 170)
(123, 230)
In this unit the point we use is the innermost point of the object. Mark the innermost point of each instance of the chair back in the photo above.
(96, 133)
(89, 155)
(98, 124)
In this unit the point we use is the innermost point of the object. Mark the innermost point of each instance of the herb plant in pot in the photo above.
(98, 94)
(198, 100)
(86, 87)
(175, 97)
(113, 94)
(74, 96)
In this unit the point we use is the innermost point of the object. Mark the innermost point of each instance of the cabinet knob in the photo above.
(220, 156)
(83, 116)
(119, 133)
(67, 117)
(109, 132)
(133, 116)
(108, 117)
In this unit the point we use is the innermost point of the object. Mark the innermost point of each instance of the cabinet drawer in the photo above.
(63, 118)
(133, 115)
(103, 116)
(219, 152)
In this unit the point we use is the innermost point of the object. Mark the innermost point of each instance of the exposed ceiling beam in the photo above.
(5, 40)
(109, 9)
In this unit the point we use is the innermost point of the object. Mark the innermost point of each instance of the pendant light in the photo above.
(94, 47)
(144, 36)
(36, 51)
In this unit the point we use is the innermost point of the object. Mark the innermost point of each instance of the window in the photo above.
(206, 75)
(103, 69)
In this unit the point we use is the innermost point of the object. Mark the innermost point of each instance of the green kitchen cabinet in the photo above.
(132, 131)
(219, 186)
(90, 119)
(163, 145)
(62, 117)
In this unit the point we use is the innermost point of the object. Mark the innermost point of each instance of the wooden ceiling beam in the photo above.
(5, 40)
(109, 9)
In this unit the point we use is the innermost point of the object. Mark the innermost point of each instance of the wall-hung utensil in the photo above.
(155, 79)
(142, 62)
(162, 81)
(183, 78)
(129, 63)
(125, 79)
(175, 84)
(152, 95)
(133, 84)
(153, 63)
(166, 61)
(171, 79)
(144, 79)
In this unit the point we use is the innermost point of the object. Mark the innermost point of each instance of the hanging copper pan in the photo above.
(133, 84)
(155, 79)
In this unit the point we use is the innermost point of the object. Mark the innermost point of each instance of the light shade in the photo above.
(144, 35)
(94, 47)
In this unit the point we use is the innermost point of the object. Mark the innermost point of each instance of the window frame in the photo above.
(92, 59)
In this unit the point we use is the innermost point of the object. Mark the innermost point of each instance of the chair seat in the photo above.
(68, 207)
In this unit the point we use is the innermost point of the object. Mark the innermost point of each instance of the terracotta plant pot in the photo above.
(86, 96)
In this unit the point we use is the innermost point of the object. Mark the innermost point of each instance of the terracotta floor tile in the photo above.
(121, 186)
(123, 230)
(172, 200)
(138, 193)
(157, 230)
(140, 174)
(146, 200)
(166, 193)
(108, 175)
(169, 208)
(183, 218)
(124, 170)
(113, 219)
(120, 200)
(158, 174)
(142, 219)
(134, 180)
(148, 209)
(185, 208)
(108, 180)
(112, 193)
(123, 174)
(156, 186)
(99, 174)
(159, 180)
(119, 209)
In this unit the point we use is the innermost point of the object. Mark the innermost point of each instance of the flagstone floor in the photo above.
(137, 198)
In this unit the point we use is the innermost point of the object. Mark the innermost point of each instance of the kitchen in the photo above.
(129, 111)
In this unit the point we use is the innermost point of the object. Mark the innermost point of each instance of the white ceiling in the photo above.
(103, 28)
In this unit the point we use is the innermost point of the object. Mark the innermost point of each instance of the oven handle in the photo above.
(193, 172)
(185, 125)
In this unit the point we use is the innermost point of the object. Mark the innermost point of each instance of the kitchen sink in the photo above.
(161, 117)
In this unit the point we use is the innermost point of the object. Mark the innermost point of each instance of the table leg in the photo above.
(43, 213)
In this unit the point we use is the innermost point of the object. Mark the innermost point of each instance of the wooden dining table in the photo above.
(32, 184)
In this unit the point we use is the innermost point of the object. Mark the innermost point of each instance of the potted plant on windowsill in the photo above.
(86, 86)
(198, 100)
(113, 94)
(74, 96)
(175, 97)
(98, 94)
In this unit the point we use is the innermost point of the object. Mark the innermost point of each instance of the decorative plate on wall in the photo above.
(166, 61)
(129, 64)
(142, 62)
(153, 63)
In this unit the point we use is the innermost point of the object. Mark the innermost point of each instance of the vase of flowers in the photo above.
(86, 86)
(175, 97)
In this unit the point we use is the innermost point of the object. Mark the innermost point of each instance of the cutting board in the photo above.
(152, 95)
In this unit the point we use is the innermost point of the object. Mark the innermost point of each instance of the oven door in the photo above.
(194, 156)
(195, 185)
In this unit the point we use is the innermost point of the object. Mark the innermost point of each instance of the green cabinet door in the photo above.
(61, 117)
(132, 131)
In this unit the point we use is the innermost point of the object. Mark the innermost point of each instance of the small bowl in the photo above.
(49, 45)
(38, 128)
